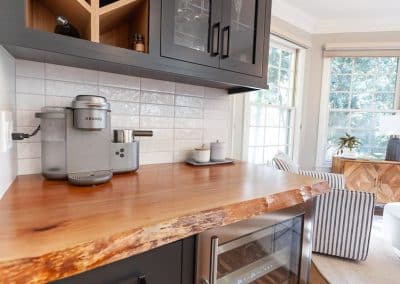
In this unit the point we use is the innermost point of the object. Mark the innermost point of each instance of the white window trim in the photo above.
(241, 102)
(324, 112)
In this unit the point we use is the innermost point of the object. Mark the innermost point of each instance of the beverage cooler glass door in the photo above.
(271, 255)
(262, 250)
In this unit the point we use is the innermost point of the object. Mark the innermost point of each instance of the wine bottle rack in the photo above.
(113, 24)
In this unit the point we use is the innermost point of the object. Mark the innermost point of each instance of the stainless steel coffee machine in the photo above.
(77, 143)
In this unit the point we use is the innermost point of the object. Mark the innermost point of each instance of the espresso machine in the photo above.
(77, 143)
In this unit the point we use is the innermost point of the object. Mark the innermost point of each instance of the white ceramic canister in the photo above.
(201, 154)
(218, 153)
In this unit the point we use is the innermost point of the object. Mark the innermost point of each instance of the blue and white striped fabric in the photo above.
(342, 223)
(335, 181)
(342, 218)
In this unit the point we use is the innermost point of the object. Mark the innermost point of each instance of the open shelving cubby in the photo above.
(113, 23)
(120, 20)
(42, 14)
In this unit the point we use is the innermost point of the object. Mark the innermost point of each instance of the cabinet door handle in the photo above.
(142, 279)
(226, 35)
(215, 39)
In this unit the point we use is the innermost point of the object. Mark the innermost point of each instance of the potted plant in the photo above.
(347, 142)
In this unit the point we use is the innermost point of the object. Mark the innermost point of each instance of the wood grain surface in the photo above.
(376, 176)
(51, 230)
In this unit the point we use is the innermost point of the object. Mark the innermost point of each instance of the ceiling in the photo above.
(328, 16)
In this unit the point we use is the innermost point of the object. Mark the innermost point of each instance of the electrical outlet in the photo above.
(6, 128)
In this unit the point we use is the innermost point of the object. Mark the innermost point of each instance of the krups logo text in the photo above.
(93, 118)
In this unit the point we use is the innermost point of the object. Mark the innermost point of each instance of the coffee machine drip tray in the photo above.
(90, 178)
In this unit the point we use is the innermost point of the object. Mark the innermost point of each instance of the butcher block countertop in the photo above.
(51, 230)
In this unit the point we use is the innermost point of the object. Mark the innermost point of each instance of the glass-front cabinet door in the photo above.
(242, 35)
(191, 30)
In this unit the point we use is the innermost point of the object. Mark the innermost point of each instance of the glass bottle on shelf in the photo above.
(138, 42)
(63, 27)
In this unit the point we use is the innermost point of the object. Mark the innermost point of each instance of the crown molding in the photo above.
(313, 25)
(293, 16)
(357, 25)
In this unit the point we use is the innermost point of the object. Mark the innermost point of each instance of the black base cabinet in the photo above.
(170, 264)
(231, 53)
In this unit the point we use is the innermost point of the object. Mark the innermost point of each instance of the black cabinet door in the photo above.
(190, 30)
(242, 36)
(159, 266)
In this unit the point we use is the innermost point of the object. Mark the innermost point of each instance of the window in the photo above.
(270, 114)
(360, 91)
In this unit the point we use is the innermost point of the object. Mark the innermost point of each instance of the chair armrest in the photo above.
(343, 222)
(335, 181)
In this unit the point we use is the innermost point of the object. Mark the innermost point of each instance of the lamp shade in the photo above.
(390, 125)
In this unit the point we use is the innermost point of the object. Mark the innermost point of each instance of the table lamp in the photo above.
(390, 125)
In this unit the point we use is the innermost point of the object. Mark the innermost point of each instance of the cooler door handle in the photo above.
(214, 260)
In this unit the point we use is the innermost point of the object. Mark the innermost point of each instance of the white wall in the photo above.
(181, 116)
(7, 118)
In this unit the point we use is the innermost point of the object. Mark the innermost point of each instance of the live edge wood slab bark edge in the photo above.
(52, 230)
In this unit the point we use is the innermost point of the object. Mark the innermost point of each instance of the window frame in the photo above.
(297, 84)
(323, 127)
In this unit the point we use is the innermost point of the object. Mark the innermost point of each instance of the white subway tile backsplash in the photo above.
(124, 108)
(30, 102)
(28, 150)
(185, 134)
(69, 89)
(29, 166)
(149, 146)
(157, 85)
(156, 110)
(186, 145)
(216, 114)
(71, 74)
(215, 93)
(124, 121)
(58, 101)
(156, 157)
(189, 90)
(182, 156)
(156, 98)
(119, 94)
(188, 112)
(117, 80)
(215, 124)
(27, 118)
(188, 101)
(150, 122)
(188, 123)
(182, 116)
(29, 85)
(29, 69)
(220, 105)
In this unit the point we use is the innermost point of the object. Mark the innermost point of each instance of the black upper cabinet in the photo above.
(242, 36)
(190, 30)
(228, 34)
(216, 43)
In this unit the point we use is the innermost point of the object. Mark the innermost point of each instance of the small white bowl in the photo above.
(201, 155)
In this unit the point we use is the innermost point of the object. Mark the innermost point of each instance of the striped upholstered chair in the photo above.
(342, 218)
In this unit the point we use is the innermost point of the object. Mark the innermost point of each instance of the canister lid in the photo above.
(51, 113)
(90, 102)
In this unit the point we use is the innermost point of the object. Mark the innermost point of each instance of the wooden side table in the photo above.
(377, 176)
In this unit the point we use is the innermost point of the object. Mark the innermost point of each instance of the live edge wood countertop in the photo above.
(51, 230)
